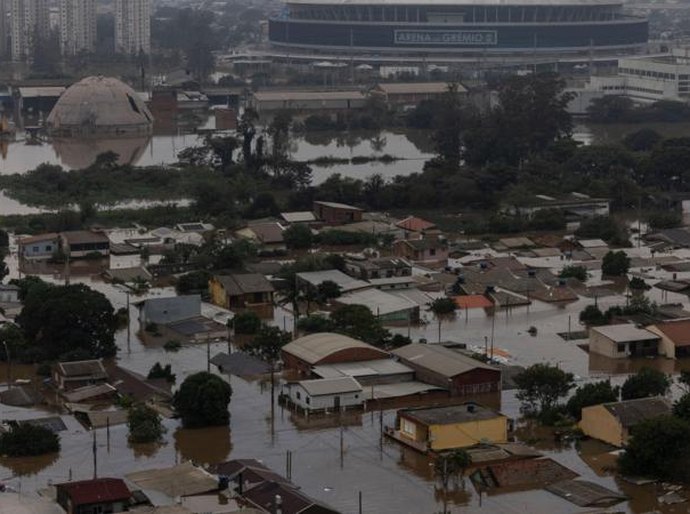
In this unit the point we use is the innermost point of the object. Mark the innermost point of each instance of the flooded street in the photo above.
(392, 479)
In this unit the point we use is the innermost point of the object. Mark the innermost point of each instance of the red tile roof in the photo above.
(414, 224)
(100, 490)
(473, 301)
(678, 331)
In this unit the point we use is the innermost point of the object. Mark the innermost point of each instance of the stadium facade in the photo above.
(458, 27)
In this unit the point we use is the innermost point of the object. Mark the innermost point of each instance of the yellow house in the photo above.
(242, 292)
(612, 422)
(447, 428)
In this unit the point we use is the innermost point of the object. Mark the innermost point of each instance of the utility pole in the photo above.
(129, 330)
(208, 354)
(95, 455)
(9, 365)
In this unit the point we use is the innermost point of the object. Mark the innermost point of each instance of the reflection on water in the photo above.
(203, 445)
(27, 466)
(145, 450)
(81, 153)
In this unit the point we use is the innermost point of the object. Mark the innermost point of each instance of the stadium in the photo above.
(458, 27)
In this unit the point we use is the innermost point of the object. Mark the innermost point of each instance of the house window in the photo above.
(432, 251)
(407, 427)
(298, 395)
(49, 248)
(308, 400)
(621, 347)
(35, 248)
(356, 397)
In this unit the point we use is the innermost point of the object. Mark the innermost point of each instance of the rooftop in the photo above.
(467, 412)
(378, 367)
(298, 216)
(99, 490)
(52, 236)
(91, 368)
(181, 480)
(380, 302)
(271, 232)
(315, 347)
(346, 282)
(326, 386)
(336, 205)
(455, 2)
(245, 283)
(417, 87)
(631, 412)
(296, 96)
(439, 359)
(413, 223)
(624, 332)
(678, 331)
(74, 237)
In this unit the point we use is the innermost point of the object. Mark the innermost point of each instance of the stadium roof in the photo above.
(478, 3)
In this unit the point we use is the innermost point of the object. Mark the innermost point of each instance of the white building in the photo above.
(77, 26)
(28, 18)
(325, 394)
(133, 26)
(4, 29)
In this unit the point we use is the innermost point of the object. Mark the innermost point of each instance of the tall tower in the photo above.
(133, 26)
(4, 29)
(77, 26)
(28, 19)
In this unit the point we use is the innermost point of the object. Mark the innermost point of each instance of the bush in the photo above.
(548, 219)
(664, 219)
(158, 371)
(27, 440)
(172, 346)
(591, 394)
(247, 322)
(144, 425)
(195, 282)
(603, 227)
(343, 238)
(592, 316)
(315, 323)
(298, 237)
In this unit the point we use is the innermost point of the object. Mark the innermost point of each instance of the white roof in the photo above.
(625, 332)
(439, 359)
(298, 217)
(400, 389)
(314, 347)
(346, 282)
(592, 243)
(362, 369)
(380, 302)
(479, 3)
(37, 91)
(324, 386)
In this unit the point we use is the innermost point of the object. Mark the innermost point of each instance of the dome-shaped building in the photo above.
(97, 107)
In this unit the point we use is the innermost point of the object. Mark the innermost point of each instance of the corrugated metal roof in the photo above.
(326, 386)
(451, 414)
(379, 367)
(314, 347)
(181, 480)
(238, 284)
(631, 412)
(306, 96)
(418, 88)
(438, 359)
(346, 282)
(99, 490)
(380, 302)
(91, 368)
(624, 333)
(298, 216)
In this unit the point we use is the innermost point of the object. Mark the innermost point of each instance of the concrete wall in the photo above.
(299, 396)
(462, 435)
(597, 422)
(666, 346)
(602, 345)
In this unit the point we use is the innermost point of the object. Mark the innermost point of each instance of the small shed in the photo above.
(324, 394)
(612, 422)
(334, 213)
(623, 340)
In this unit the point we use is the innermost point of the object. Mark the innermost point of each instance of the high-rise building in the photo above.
(77, 26)
(28, 19)
(133, 26)
(4, 29)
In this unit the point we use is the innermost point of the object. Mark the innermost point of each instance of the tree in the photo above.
(578, 272)
(646, 382)
(603, 227)
(591, 394)
(28, 440)
(298, 236)
(327, 291)
(267, 344)
(358, 322)
(60, 319)
(452, 464)
(247, 322)
(541, 386)
(203, 400)
(157, 371)
(615, 264)
(315, 323)
(193, 282)
(449, 123)
(638, 284)
(144, 424)
(442, 308)
(659, 448)
(642, 140)
(684, 380)
(681, 408)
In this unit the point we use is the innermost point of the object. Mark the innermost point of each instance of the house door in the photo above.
(336, 403)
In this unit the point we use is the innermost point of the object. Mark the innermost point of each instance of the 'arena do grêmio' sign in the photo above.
(446, 37)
